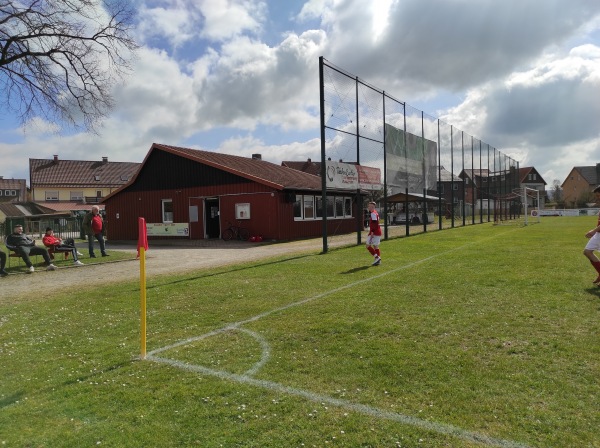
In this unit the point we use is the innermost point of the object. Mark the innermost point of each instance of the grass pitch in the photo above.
(471, 337)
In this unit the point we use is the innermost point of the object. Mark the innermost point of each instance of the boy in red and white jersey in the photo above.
(594, 242)
(374, 237)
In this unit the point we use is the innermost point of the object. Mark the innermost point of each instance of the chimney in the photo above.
(55, 158)
(104, 159)
(309, 161)
(341, 160)
(598, 174)
(256, 156)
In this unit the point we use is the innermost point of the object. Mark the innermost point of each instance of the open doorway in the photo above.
(212, 223)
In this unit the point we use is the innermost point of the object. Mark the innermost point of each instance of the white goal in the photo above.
(519, 207)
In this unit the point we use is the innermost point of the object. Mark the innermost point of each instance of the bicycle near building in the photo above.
(235, 232)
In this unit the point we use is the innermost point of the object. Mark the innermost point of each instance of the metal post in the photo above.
(462, 149)
(439, 188)
(424, 173)
(452, 175)
(407, 224)
(359, 219)
(385, 204)
(323, 157)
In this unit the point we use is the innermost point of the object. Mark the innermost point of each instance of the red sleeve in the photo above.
(50, 240)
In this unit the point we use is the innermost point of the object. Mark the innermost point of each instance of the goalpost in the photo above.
(519, 207)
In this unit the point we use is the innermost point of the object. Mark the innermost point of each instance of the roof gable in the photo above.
(526, 171)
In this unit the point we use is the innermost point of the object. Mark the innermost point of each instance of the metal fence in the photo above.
(64, 227)
(431, 173)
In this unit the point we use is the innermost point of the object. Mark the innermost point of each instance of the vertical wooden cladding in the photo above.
(187, 182)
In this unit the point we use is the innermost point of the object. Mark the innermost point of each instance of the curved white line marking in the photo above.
(440, 428)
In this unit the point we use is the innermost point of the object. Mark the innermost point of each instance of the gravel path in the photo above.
(160, 259)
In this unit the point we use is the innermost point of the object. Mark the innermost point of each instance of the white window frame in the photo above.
(164, 214)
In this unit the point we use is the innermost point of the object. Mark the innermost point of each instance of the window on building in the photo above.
(167, 210)
(319, 206)
(534, 176)
(529, 177)
(0, 192)
(96, 178)
(455, 186)
(466, 181)
(339, 207)
(51, 195)
(309, 207)
(348, 207)
(298, 207)
(330, 207)
(76, 195)
(484, 179)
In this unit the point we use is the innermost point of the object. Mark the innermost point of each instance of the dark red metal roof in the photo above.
(263, 172)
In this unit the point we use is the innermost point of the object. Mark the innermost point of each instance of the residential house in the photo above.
(578, 185)
(531, 178)
(13, 190)
(75, 184)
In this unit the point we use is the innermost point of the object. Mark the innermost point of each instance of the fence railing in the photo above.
(430, 164)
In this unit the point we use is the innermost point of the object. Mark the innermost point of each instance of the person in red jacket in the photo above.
(93, 225)
(59, 245)
(374, 237)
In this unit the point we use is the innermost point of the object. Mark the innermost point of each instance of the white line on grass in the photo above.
(246, 378)
(236, 325)
(440, 428)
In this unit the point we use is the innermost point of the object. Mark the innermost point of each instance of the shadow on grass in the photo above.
(594, 291)
(11, 399)
(355, 270)
(229, 271)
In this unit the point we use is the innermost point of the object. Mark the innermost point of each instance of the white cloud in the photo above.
(546, 116)
(175, 22)
(246, 146)
(224, 19)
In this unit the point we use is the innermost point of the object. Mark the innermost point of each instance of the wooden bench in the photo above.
(55, 249)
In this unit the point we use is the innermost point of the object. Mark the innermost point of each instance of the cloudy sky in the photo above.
(241, 77)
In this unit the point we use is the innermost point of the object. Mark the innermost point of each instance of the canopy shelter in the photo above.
(411, 197)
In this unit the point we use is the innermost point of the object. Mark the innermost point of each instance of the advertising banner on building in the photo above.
(348, 176)
(172, 229)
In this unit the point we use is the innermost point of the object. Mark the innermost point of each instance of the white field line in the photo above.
(440, 428)
(238, 324)
(246, 378)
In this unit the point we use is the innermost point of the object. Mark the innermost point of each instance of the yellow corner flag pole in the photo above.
(143, 302)
(142, 248)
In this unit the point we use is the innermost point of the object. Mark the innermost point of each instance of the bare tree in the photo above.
(60, 58)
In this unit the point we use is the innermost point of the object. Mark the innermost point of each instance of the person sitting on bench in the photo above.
(24, 246)
(60, 245)
(3, 273)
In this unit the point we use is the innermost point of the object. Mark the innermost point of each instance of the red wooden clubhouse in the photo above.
(194, 194)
